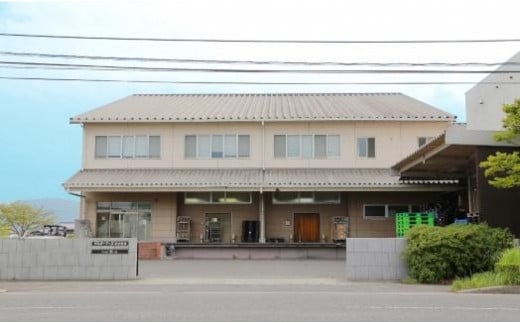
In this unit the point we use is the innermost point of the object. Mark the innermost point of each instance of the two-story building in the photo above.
(286, 166)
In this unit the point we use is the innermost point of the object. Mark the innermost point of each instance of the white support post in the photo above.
(261, 212)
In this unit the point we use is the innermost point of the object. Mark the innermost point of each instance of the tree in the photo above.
(22, 218)
(503, 169)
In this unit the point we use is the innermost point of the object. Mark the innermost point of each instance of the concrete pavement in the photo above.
(199, 290)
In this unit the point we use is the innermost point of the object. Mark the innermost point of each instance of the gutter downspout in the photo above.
(470, 202)
(261, 206)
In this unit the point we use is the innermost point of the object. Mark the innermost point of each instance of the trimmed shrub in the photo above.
(436, 254)
(509, 266)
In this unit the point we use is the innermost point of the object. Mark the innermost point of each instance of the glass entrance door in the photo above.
(124, 220)
(123, 225)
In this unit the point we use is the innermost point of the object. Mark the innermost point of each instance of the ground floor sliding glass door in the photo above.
(124, 220)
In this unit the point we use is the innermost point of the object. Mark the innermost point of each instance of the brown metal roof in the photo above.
(268, 107)
(239, 179)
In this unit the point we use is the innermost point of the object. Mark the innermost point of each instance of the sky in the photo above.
(40, 149)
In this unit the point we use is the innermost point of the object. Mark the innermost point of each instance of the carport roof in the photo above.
(451, 155)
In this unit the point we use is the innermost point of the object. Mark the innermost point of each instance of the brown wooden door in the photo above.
(306, 227)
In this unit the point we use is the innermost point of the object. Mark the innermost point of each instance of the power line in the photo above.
(234, 70)
(246, 82)
(212, 61)
(289, 41)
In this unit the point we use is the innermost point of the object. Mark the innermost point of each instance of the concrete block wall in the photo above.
(375, 259)
(63, 259)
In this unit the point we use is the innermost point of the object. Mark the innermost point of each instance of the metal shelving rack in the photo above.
(183, 228)
(339, 228)
(214, 232)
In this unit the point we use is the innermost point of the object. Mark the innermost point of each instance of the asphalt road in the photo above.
(306, 296)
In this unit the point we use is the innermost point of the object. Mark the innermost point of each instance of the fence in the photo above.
(66, 259)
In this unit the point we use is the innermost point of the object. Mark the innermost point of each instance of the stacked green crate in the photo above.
(404, 221)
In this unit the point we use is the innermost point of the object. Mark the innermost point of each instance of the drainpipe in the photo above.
(470, 202)
(261, 206)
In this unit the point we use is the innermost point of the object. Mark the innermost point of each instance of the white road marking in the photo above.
(47, 292)
(17, 308)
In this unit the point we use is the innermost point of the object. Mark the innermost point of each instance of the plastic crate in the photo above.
(461, 221)
(404, 221)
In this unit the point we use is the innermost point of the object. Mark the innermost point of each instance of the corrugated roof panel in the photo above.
(270, 107)
(225, 179)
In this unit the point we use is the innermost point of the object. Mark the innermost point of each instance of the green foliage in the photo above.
(509, 266)
(507, 272)
(511, 122)
(435, 254)
(486, 279)
(503, 169)
(4, 231)
(22, 218)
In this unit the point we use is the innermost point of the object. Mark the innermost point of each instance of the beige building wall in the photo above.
(385, 227)
(394, 140)
(239, 213)
(279, 218)
(164, 210)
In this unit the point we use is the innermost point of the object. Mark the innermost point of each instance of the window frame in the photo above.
(211, 141)
(219, 203)
(427, 139)
(366, 140)
(139, 212)
(387, 213)
(298, 199)
(313, 146)
(108, 156)
(248, 146)
(121, 147)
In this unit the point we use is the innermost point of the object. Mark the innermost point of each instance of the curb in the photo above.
(492, 290)
(3, 291)
(248, 281)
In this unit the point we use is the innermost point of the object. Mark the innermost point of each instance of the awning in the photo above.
(306, 179)
(449, 156)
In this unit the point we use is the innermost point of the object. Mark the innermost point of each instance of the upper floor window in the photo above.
(306, 146)
(217, 146)
(366, 147)
(128, 147)
(421, 141)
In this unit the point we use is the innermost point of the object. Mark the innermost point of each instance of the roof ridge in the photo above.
(267, 94)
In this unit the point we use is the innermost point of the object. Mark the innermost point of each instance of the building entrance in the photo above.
(306, 227)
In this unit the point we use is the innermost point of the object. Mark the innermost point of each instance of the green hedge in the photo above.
(509, 266)
(436, 254)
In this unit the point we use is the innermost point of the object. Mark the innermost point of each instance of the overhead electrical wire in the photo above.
(291, 41)
(252, 62)
(248, 82)
(248, 70)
